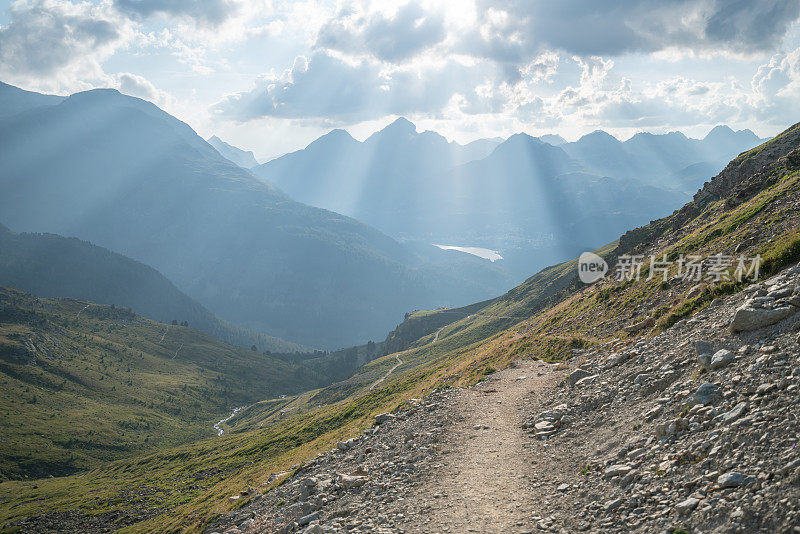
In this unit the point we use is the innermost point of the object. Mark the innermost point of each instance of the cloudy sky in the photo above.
(270, 76)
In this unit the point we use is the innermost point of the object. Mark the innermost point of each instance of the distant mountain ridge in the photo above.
(243, 158)
(538, 200)
(355, 178)
(656, 158)
(49, 265)
(14, 100)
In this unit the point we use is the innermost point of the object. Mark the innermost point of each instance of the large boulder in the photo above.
(752, 317)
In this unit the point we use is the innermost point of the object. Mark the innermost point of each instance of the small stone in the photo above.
(764, 389)
(617, 470)
(577, 375)
(695, 291)
(306, 519)
(735, 413)
(586, 381)
(544, 426)
(707, 393)
(652, 413)
(641, 325)
(687, 505)
(612, 505)
(383, 417)
(721, 359)
(733, 479)
(749, 317)
(350, 482)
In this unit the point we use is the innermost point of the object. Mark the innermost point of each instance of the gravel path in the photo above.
(486, 484)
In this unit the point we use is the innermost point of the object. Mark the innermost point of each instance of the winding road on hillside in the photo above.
(436, 337)
(384, 377)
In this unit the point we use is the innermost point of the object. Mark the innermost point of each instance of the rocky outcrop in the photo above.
(769, 303)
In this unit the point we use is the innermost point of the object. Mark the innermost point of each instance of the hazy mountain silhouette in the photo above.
(530, 198)
(665, 160)
(119, 172)
(374, 180)
(553, 139)
(243, 158)
(50, 265)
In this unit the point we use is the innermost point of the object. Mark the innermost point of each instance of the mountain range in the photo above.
(121, 173)
(537, 200)
(660, 159)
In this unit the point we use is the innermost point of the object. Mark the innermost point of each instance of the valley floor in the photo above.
(631, 437)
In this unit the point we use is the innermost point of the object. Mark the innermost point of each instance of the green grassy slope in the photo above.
(551, 316)
(82, 383)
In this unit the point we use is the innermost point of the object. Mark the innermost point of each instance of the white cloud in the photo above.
(776, 86)
(478, 63)
(405, 33)
(141, 87)
(338, 89)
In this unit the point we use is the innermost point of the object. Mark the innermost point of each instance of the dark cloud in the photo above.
(589, 27)
(410, 31)
(746, 24)
(207, 12)
(47, 37)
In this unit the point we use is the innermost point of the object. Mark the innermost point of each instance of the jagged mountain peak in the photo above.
(399, 128)
(724, 132)
(337, 137)
(720, 129)
(401, 124)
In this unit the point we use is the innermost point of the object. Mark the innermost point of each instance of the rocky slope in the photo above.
(692, 430)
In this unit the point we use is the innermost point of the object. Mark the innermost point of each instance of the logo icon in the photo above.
(591, 267)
